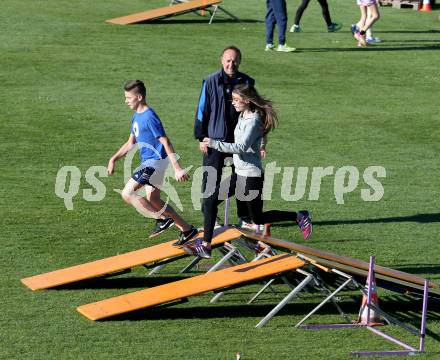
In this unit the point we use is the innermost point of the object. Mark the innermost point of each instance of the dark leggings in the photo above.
(249, 191)
(215, 191)
(303, 6)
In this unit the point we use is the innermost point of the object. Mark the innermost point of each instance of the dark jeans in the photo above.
(276, 15)
(303, 6)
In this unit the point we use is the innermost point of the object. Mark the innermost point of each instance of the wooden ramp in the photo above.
(344, 263)
(118, 263)
(166, 11)
(189, 287)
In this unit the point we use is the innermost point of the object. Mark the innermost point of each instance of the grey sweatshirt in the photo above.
(248, 135)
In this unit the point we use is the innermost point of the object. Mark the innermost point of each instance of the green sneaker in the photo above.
(269, 47)
(295, 29)
(334, 27)
(285, 48)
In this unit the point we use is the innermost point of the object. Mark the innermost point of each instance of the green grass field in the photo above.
(61, 73)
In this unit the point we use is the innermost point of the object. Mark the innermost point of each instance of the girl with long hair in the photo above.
(257, 118)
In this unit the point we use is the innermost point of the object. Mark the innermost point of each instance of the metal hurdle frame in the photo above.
(408, 349)
(308, 278)
(267, 252)
(212, 12)
(296, 290)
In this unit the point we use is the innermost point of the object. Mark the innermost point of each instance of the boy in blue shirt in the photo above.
(155, 150)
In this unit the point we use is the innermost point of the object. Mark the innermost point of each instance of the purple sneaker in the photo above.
(304, 221)
(197, 248)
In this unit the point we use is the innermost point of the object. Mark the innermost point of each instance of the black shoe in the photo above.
(186, 236)
(161, 226)
(197, 248)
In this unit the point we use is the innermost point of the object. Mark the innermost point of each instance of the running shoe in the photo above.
(250, 226)
(372, 40)
(285, 48)
(161, 226)
(295, 29)
(269, 47)
(334, 27)
(197, 248)
(186, 236)
(304, 220)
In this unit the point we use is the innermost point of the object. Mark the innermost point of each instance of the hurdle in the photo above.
(176, 8)
(355, 267)
(408, 349)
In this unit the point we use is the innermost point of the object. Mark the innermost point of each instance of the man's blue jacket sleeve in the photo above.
(201, 120)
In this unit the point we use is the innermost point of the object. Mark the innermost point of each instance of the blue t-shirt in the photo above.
(147, 128)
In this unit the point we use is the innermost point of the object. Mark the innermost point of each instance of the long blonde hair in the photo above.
(260, 104)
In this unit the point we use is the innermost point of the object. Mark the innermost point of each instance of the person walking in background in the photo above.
(155, 151)
(257, 118)
(370, 39)
(369, 16)
(331, 26)
(276, 15)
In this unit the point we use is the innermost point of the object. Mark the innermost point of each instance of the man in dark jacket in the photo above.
(216, 118)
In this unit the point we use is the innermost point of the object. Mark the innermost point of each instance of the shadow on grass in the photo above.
(373, 48)
(386, 42)
(227, 311)
(120, 283)
(418, 218)
(168, 21)
(408, 311)
(431, 31)
(419, 268)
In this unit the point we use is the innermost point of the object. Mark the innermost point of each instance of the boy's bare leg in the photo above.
(140, 203)
(153, 198)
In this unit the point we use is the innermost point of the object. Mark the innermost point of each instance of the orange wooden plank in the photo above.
(117, 263)
(338, 259)
(189, 287)
(163, 12)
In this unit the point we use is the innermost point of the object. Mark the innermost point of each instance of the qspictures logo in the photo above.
(295, 181)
